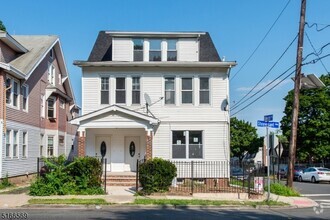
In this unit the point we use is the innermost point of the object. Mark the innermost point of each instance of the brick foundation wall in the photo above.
(149, 146)
(220, 182)
(22, 180)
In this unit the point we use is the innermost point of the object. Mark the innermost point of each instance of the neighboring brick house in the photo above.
(36, 102)
(181, 77)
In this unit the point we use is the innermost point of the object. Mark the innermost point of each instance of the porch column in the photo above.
(81, 143)
(149, 135)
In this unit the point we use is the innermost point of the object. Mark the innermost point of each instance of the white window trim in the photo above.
(51, 74)
(27, 98)
(192, 91)
(42, 106)
(54, 98)
(109, 88)
(175, 90)
(187, 146)
(17, 144)
(26, 144)
(199, 90)
(140, 90)
(60, 78)
(11, 104)
(50, 136)
(10, 144)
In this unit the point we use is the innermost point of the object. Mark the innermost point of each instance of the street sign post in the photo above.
(268, 122)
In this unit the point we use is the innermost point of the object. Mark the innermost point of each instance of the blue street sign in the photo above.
(269, 124)
(268, 118)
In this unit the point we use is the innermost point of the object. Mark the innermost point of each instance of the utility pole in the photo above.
(297, 80)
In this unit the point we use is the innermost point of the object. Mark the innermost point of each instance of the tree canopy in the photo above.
(243, 138)
(313, 134)
(2, 26)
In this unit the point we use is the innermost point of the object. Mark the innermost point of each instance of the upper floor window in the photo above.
(51, 107)
(51, 74)
(136, 90)
(25, 92)
(120, 90)
(155, 51)
(187, 91)
(171, 50)
(12, 92)
(104, 90)
(169, 90)
(138, 49)
(51, 53)
(204, 90)
(41, 147)
(15, 93)
(62, 104)
(8, 91)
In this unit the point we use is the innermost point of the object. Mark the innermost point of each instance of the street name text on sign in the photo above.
(268, 118)
(269, 124)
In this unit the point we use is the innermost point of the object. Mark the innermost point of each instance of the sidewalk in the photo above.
(124, 195)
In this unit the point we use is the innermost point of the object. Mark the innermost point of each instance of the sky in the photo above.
(236, 26)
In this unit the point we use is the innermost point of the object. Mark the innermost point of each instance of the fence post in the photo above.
(38, 170)
(249, 184)
(137, 176)
(192, 177)
(105, 175)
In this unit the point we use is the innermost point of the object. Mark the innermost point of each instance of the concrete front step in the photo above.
(121, 184)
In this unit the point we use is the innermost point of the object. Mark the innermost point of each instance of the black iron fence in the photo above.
(214, 177)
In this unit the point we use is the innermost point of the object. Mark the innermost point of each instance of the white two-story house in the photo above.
(154, 94)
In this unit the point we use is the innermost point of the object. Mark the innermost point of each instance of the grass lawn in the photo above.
(181, 202)
(69, 201)
(282, 190)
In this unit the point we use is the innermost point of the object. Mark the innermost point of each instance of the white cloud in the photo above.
(263, 84)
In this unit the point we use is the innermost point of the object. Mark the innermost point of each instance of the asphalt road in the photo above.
(168, 213)
(319, 192)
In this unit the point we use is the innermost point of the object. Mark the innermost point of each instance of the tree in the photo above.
(2, 26)
(313, 134)
(243, 138)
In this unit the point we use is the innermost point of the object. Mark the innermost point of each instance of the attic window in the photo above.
(51, 53)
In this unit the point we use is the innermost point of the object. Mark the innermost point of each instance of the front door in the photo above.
(102, 147)
(132, 152)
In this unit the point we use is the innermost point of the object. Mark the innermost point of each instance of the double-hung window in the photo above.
(15, 144)
(169, 90)
(24, 144)
(25, 97)
(8, 142)
(155, 50)
(41, 146)
(187, 144)
(8, 91)
(50, 146)
(120, 90)
(51, 74)
(204, 90)
(138, 49)
(51, 103)
(104, 90)
(187, 91)
(171, 50)
(15, 94)
(12, 92)
(136, 90)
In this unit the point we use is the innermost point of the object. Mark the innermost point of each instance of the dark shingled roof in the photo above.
(102, 50)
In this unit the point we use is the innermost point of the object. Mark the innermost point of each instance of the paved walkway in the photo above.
(124, 195)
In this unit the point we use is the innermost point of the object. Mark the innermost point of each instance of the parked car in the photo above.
(315, 174)
(238, 173)
(297, 170)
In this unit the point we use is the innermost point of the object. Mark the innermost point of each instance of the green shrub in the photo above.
(156, 175)
(82, 176)
(4, 183)
(282, 190)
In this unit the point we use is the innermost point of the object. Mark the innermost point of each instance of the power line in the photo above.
(267, 72)
(310, 42)
(287, 76)
(255, 50)
(317, 26)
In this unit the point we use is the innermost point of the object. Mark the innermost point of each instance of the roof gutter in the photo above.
(12, 70)
(12, 43)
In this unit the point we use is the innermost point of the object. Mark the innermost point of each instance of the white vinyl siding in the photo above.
(188, 49)
(122, 49)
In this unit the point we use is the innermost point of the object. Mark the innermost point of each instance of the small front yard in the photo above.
(282, 190)
(72, 201)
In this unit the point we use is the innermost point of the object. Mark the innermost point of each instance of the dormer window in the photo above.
(51, 53)
(155, 51)
(138, 49)
(51, 74)
(171, 50)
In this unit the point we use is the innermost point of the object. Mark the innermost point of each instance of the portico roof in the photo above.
(116, 108)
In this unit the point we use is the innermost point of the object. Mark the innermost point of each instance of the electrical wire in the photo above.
(317, 27)
(287, 76)
(236, 104)
(310, 42)
(255, 50)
